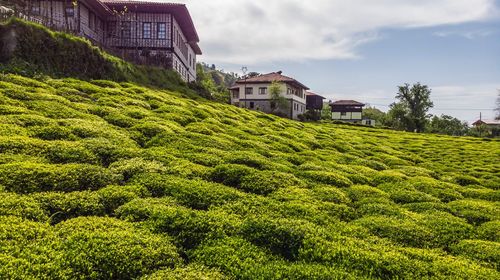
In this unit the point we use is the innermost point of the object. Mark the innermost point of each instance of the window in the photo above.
(236, 95)
(263, 90)
(126, 28)
(91, 21)
(252, 105)
(249, 90)
(288, 91)
(343, 113)
(35, 8)
(70, 11)
(162, 30)
(146, 30)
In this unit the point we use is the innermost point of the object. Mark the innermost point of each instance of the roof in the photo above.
(99, 6)
(310, 93)
(179, 11)
(488, 122)
(273, 77)
(346, 103)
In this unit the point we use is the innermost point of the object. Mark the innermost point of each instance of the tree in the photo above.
(447, 125)
(375, 114)
(413, 106)
(278, 101)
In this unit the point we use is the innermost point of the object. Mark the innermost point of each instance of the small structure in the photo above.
(253, 93)
(493, 126)
(347, 110)
(314, 102)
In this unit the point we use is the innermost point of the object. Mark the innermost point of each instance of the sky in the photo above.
(363, 49)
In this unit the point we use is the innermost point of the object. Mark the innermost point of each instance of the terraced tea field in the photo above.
(101, 180)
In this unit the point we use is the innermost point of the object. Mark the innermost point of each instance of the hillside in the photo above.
(105, 180)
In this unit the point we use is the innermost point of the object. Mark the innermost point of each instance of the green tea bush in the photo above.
(401, 231)
(33, 177)
(330, 194)
(191, 272)
(63, 206)
(52, 133)
(484, 251)
(112, 197)
(196, 194)
(360, 192)
(489, 231)
(329, 178)
(465, 180)
(230, 174)
(446, 228)
(21, 206)
(105, 248)
(265, 182)
(388, 176)
(445, 192)
(129, 168)
(475, 211)
(68, 152)
(427, 206)
(282, 237)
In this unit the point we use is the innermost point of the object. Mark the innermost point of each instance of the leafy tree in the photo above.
(375, 114)
(447, 125)
(253, 74)
(326, 112)
(397, 117)
(414, 103)
(278, 101)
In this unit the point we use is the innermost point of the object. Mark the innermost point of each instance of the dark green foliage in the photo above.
(239, 193)
(105, 248)
(230, 174)
(34, 177)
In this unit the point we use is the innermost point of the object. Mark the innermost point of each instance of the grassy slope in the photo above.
(105, 180)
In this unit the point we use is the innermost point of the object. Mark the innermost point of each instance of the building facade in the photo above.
(347, 110)
(254, 93)
(143, 32)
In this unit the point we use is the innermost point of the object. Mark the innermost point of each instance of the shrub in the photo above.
(105, 248)
(330, 194)
(475, 211)
(197, 194)
(360, 192)
(112, 197)
(427, 206)
(230, 174)
(402, 231)
(283, 237)
(265, 182)
(329, 178)
(63, 206)
(65, 152)
(129, 168)
(388, 176)
(34, 177)
(484, 251)
(489, 231)
(21, 206)
(465, 180)
(191, 272)
(446, 228)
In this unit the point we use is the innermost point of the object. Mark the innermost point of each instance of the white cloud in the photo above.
(256, 31)
(471, 34)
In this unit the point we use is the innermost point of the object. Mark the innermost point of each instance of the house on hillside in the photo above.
(349, 111)
(253, 93)
(492, 126)
(314, 102)
(143, 32)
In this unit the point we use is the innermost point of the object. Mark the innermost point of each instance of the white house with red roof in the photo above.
(253, 93)
(144, 32)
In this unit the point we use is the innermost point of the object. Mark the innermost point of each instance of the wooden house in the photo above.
(144, 32)
(314, 102)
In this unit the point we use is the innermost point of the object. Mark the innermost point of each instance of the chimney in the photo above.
(279, 72)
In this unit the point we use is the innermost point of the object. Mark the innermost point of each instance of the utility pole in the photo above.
(244, 69)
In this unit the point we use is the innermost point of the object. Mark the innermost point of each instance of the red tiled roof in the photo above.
(487, 122)
(272, 77)
(179, 11)
(347, 103)
(310, 93)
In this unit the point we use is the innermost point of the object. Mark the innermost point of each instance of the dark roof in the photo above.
(99, 7)
(487, 122)
(179, 11)
(273, 77)
(309, 93)
(346, 103)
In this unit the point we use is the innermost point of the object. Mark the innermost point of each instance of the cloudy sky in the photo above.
(363, 49)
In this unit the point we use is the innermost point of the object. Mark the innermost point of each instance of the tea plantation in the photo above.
(106, 180)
